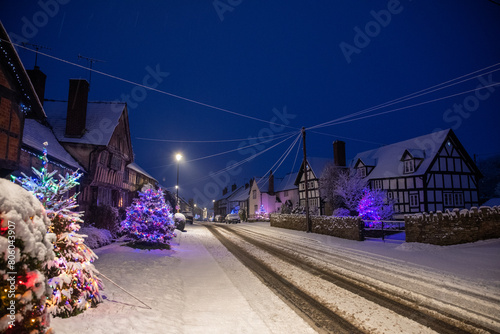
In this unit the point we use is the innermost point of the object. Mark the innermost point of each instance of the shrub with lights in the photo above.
(73, 277)
(374, 205)
(25, 256)
(149, 220)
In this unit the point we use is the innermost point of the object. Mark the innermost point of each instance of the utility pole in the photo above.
(308, 220)
(91, 61)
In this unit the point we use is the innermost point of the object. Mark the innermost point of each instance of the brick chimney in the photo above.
(77, 107)
(339, 153)
(271, 183)
(38, 78)
(233, 187)
(224, 191)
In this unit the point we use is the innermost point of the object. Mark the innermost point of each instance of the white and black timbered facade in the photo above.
(423, 174)
(314, 167)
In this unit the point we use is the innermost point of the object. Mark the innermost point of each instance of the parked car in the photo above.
(233, 218)
(189, 217)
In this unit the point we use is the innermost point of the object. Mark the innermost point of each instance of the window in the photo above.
(414, 200)
(390, 195)
(255, 207)
(285, 194)
(409, 166)
(459, 199)
(377, 184)
(103, 157)
(254, 194)
(448, 199)
(115, 162)
(362, 171)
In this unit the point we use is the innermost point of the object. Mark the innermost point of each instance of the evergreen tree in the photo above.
(149, 218)
(25, 253)
(74, 279)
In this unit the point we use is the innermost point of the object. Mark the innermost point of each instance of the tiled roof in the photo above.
(387, 159)
(35, 134)
(138, 169)
(101, 121)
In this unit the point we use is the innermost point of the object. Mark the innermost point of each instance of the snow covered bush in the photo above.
(25, 256)
(374, 205)
(149, 219)
(341, 212)
(96, 237)
(73, 277)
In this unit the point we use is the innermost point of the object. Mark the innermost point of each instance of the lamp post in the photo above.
(178, 157)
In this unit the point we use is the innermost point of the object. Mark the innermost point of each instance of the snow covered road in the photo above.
(200, 287)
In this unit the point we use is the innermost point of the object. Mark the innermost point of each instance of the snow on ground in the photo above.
(199, 287)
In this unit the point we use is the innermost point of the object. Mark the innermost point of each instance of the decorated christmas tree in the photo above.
(149, 219)
(74, 279)
(25, 253)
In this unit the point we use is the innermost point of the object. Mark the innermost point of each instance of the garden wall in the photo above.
(455, 227)
(341, 227)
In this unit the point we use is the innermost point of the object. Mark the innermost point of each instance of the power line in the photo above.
(208, 141)
(413, 95)
(154, 89)
(410, 106)
(225, 152)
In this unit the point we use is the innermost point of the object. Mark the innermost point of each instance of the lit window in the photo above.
(409, 166)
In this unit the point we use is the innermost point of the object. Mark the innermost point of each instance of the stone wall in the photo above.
(340, 227)
(455, 227)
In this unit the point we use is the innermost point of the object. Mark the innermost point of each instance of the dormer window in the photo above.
(409, 166)
(362, 171)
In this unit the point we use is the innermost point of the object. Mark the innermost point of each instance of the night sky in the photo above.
(300, 63)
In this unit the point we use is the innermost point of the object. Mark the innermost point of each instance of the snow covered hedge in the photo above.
(25, 251)
(454, 227)
(340, 227)
(96, 237)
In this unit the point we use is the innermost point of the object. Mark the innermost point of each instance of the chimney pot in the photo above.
(38, 78)
(77, 107)
(339, 153)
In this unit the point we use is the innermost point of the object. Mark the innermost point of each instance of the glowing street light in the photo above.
(178, 157)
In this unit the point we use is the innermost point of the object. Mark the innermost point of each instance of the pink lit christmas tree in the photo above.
(149, 219)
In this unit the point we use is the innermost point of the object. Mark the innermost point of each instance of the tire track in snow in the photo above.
(428, 316)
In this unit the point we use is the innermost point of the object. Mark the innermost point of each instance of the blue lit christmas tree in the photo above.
(374, 205)
(149, 219)
(74, 279)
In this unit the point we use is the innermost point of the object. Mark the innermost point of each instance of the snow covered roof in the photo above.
(262, 183)
(138, 169)
(317, 165)
(492, 202)
(287, 182)
(35, 134)
(240, 194)
(387, 159)
(101, 121)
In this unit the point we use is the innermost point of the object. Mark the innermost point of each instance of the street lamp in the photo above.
(178, 157)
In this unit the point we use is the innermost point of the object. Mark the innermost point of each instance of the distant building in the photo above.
(315, 167)
(433, 172)
(287, 193)
(134, 179)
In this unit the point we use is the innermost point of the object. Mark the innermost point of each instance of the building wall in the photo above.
(315, 203)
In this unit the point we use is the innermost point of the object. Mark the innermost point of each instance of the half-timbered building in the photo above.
(315, 168)
(97, 135)
(428, 173)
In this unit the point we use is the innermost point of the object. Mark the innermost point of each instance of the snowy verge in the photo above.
(96, 237)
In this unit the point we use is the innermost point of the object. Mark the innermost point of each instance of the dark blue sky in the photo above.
(253, 57)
